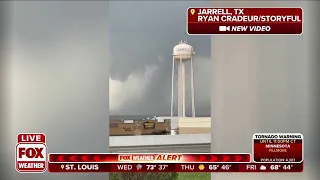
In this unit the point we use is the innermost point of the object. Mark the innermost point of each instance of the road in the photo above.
(185, 148)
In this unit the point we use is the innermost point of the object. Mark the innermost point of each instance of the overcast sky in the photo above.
(58, 68)
(58, 77)
(141, 56)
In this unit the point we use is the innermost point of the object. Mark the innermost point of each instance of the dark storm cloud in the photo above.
(142, 35)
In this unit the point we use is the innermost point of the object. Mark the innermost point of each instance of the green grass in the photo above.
(194, 176)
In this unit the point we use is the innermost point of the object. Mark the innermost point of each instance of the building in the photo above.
(194, 125)
(189, 125)
(139, 127)
(161, 126)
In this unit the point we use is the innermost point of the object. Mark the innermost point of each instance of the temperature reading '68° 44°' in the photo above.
(275, 167)
(287, 167)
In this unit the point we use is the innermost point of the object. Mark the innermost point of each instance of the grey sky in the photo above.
(140, 47)
(58, 70)
(141, 56)
(58, 78)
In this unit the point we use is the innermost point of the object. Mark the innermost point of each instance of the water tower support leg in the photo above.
(192, 88)
(183, 74)
(172, 86)
(180, 89)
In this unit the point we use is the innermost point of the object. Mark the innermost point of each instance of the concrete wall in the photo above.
(123, 141)
(189, 125)
(195, 130)
(257, 86)
(197, 122)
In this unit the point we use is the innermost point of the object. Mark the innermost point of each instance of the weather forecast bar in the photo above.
(152, 158)
(173, 167)
(201, 21)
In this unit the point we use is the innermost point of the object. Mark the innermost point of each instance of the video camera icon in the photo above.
(224, 28)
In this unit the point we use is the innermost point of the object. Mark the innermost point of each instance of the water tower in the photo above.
(182, 58)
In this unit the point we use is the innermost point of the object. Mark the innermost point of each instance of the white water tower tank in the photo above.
(182, 58)
(183, 51)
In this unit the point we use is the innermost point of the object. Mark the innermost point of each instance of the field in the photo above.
(194, 176)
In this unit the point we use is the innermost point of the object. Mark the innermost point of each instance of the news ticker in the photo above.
(281, 150)
(174, 167)
(208, 21)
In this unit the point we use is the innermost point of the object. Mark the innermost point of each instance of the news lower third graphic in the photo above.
(271, 152)
(207, 21)
(174, 167)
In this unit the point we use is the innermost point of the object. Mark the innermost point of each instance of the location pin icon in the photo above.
(62, 166)
(192, 11)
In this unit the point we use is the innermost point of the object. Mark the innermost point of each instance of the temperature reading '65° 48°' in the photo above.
(225, 167)
(213, 167)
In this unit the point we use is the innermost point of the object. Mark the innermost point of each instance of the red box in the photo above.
(31, 153)
(31, 138)
(278, 147)
(79, 167)
(149, 157)
(244, 21)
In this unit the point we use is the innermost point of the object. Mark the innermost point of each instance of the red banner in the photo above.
(278, 147)
(152, 158)
(244, 21)
(174, 167)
